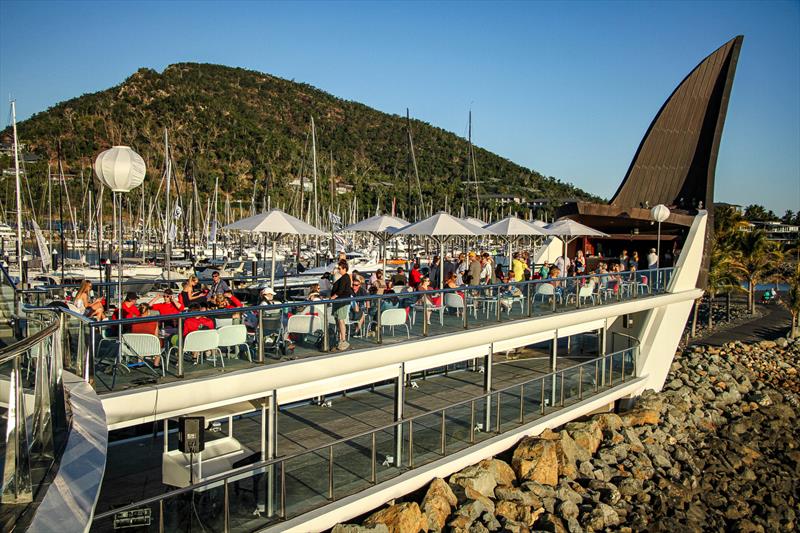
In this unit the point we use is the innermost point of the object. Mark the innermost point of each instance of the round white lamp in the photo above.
(660, 213)
(120, 169)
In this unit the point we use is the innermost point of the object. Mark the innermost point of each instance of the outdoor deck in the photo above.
(133, 470)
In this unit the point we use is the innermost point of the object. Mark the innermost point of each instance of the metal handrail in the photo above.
(366, 298)
(283, 459)
(19, 347)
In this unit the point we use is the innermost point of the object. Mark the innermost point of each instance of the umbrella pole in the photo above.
(441, 265)
(272, 267)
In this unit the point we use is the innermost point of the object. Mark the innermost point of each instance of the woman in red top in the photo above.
(415, 276)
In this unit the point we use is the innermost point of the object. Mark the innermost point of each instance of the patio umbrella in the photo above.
(380, 226)
(275, 222)
(512, 228)
(441, 227)
(568, 230)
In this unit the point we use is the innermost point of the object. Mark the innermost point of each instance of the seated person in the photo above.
(231, 301)
(399, 278)
(129, 307)
(197, 323)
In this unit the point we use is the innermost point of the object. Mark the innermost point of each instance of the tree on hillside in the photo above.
(757, 212)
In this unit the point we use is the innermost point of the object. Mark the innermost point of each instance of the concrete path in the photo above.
(774, 323)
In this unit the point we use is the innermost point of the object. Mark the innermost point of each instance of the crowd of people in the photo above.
(469, 269)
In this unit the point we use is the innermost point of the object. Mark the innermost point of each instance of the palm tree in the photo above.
(793, 300)
(720, 277)
(754, 260)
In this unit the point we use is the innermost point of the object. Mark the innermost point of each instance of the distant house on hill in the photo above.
(777, 231)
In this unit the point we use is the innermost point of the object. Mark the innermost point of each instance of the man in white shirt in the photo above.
(652, 259)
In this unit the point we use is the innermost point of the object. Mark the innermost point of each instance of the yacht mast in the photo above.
(167, 217)
(18, 194)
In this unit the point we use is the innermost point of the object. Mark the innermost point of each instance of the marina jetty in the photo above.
(717, 450)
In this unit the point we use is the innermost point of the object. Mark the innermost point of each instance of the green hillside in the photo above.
(251, 131)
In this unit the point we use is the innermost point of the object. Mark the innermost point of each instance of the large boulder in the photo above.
(438, 503)
(502, 473)
(569, 453)
(641, 417)
(588, 436)
(399, 518)
(536, 459)
(476, 480)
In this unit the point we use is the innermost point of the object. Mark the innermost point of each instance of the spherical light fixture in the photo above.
(120, 169)
(660, 213)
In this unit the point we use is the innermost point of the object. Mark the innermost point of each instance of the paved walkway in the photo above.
(774, 323)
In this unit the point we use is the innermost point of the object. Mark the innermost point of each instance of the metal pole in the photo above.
(580, 382)
(521, 403)
(541, 405)
(424, 315)
(226, 524)
(379, 327)
(326, 346)
(411, 443)
(283, 489)
(528, 299)
(330, 472)
(374, 472)
(261, 336)
(472, 421)
(399, 403)
(444, 433)
(180, 347)
(497, 415)
(487, 387)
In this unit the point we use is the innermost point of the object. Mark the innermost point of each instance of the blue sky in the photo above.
(565, 88)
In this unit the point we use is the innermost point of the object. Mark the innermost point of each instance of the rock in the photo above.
(354, 528)
(502, 473)
(550, 522)
(507, 510)
(609, 421)
(567, 510)
(536, 460)
(469, 512)
(437, 504)
(476, 480)
(517, 495)
(641, 417)
(399, 518)
(567, 454)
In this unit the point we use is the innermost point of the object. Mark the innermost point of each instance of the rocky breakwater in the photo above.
(716, 450)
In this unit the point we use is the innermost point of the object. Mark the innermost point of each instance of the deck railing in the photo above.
(284, 487)
(93, 348)
(34, 409)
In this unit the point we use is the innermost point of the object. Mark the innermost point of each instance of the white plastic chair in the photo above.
(545, 291)
(348, 322)
(394, 317)
(304, 324)
(456, 301)
(223, 322)
(234, 337)
(585, 292)
(141, 345)
(203, 341)
(419, 306)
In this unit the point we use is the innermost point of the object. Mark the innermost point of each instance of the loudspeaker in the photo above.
(191, 435)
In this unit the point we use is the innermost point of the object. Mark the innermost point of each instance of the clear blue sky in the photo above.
(565, 88)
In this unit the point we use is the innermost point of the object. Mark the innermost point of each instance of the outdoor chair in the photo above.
(585, 292)
(141, 345)
(234, 337)
(545, 291)
(223, 322)
(456, 301)
(204, 341)
(391, 318)
(419, 306)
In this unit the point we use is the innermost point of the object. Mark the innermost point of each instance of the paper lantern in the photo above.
(660, 213)
(120, 169)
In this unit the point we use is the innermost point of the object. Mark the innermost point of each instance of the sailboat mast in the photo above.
(17, 184)
(167, 219)
(474, 171)
(314, 160)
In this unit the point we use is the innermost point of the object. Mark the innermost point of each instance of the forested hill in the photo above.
(251, 131)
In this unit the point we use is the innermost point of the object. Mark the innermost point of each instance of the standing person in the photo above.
(652, 259)
(634, 262)
(487, 273)
(218, 286)
(399, 278)
(623, 259)
(580, 263)
(342, 288)
(435, 269)
(474, 271)
(518, 267)
(415, 276)
(461, 268)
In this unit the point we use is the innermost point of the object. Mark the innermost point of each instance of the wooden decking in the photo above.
(133, 469)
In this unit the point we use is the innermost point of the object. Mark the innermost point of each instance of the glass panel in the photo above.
(572, 384)
(306, 482)
(457, 427)
(352, 466)
(249, 496)
(386, 462)
(427, 438)
(533, 400)
(509, 408)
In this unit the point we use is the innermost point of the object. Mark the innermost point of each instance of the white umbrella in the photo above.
(568, 230)
(382, 227)
(511, 228)
(476, 221)
(277, 222)
(440, 227)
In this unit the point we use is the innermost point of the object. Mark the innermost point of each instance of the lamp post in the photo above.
(121, 170)
(660, 213)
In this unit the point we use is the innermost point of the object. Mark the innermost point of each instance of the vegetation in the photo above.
(252, 132)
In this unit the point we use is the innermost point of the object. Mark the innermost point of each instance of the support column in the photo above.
(603, 349)
(554, 367)
(269, 445)
(487, 387)
(399, 403)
